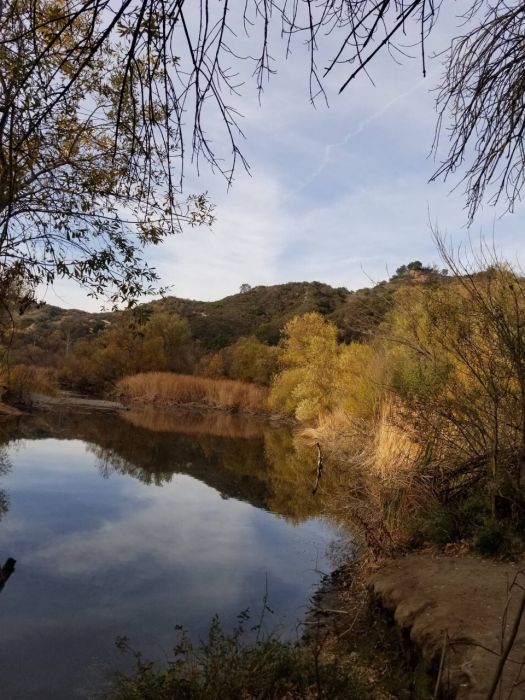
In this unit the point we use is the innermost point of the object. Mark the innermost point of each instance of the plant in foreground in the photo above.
(229, 667)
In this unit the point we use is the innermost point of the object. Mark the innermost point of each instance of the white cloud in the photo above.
(333, 190)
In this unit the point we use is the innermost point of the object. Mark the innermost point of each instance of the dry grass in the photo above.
(167, 388)
(374, 463)
(393, 454)
(24, 380)
(218, 424)
(380, 447)
(342, 437)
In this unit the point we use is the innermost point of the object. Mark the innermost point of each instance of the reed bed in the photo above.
(170, 389)
(376, 488)
(24, 380)
(380, 447)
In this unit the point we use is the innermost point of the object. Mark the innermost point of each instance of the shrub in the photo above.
(24, 380)
(441, 523)
(495, 537)
(468, 518)
(224, 666)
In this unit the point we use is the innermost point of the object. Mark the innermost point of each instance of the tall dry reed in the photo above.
(167, 388)
(24, 380)
(376, 486)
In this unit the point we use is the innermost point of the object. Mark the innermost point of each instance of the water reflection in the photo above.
(249, 460)
(101, 557)
(5, 466)
(6, 571)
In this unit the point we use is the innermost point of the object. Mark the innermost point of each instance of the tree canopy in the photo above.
(79, 196)
(103, 102)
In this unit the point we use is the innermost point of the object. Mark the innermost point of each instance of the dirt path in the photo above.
(462, 598)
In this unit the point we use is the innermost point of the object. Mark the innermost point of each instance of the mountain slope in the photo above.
(46, 334)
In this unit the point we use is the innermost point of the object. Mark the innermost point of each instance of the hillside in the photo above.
(49, 331)
(261, 311)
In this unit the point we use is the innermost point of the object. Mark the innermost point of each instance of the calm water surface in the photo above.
(129, 525)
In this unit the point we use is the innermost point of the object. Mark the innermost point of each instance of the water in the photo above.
(131, 525)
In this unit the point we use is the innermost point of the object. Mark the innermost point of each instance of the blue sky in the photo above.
(338, 194)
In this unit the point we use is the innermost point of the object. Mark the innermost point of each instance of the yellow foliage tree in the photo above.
(249, 360)
(358, 385)
(309, 356)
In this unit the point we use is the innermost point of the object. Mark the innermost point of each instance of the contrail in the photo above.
(355, 132)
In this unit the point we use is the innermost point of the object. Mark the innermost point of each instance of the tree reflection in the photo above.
(250, 460)
(5, 466)
(6, 571)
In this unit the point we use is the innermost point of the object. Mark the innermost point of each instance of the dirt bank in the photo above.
(457, 604)
(67, 400)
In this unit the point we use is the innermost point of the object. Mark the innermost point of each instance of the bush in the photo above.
(442, 523)
(469, 518)
(497, 538)
(226, 667)
(24, 380)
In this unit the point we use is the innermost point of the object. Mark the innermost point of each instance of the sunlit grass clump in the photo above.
(168, 388)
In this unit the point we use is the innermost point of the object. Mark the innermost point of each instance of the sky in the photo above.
(336, 194)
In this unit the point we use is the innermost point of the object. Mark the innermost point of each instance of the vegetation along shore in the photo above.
(177, 457)
(414, 392)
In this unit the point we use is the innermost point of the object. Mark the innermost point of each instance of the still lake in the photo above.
(131, 524)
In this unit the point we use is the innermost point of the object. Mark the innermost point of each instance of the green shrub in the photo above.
(442, 523)
(497, 538)
(226, 667)
(470, 518)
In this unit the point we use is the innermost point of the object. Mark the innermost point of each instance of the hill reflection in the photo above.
(248, 460)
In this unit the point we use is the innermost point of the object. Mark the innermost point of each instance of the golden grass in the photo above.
(380, 447)
(374, 464)
(24, 380)
(168, 388)
(393, 454)
(341, 436)
(218, 424)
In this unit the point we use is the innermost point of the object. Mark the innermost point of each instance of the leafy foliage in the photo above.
(319, 375)
(248, 360)
(79, 198)
(156, 342)
(308, 357)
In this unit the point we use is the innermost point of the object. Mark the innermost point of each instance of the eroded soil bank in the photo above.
(427, 625)
(460, 612)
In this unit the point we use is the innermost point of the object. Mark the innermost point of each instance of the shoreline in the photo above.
(202, 407)
(350, 622)
(446, 618)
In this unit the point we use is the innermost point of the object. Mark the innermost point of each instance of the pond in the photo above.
(130, 524)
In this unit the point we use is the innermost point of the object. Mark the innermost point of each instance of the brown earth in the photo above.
(78, 402)
(462, 609)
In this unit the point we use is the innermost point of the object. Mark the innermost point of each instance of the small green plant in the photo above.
(497, 538)
(442, 523)
(471, 518)
(229, 667)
